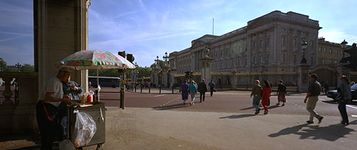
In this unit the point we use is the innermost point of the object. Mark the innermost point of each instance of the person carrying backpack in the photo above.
(281, 93)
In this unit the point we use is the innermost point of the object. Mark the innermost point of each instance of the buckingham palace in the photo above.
(276, 46)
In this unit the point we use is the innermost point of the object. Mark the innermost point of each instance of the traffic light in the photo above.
(350, 60)
(121, 53)
(130, 57)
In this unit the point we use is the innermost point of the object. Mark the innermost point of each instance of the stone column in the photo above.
(234, 80)
(60, 29)
(172, 77)
(206, 65)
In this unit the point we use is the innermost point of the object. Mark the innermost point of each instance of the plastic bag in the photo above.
(84, 129)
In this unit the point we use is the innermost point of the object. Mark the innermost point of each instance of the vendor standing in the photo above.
(51, 108)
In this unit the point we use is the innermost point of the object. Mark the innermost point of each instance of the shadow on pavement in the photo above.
(330, 133)
(330, 101)
(36, 147)
(273, 106)
(32, 141)
(173, 106)
(270, 107)
(336, 102)
(237, 116)
(247, 108)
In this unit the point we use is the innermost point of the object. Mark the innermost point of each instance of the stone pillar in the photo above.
(234, 80)
(339, 72)
(164, 78)
(155, 78)
(172, 78)
(303, 77)
(60, 29)
(206, 65)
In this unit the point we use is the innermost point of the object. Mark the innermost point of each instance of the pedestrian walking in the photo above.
(184, 91)
(192, 88)
(344, 95)
(266, 92)
(312, 97)
(202, 88)
(212, 87)
(256, 94)
(281, 93)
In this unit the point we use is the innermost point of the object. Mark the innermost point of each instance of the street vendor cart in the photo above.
(93, 112)
(97, 113)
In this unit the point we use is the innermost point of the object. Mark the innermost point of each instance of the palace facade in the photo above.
(269, 47)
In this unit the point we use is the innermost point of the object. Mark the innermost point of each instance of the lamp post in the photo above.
(18, 66)
(166, 57)
(157, 72)
(343, 46)
(303, 71)
(303, 46)
(343, 61)
(166, 68)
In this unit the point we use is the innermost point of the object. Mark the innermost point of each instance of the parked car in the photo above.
(333, 93)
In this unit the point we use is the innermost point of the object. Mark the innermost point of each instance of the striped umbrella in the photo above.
(88, 59)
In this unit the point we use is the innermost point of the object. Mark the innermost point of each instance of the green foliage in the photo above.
(106, 72)
(3, 65)
(27, 68)
(143, 72)
(17, 68)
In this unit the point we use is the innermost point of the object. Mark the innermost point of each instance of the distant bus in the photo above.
(104, 81)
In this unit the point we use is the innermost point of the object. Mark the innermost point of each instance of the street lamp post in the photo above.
(158, 72)
(18, 66)
(303, 46)
(166, 69)
(343, 70)
(303, 72)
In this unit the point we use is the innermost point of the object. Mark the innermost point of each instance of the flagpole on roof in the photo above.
(212, 26)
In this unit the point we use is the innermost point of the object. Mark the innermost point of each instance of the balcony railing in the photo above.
(13, 84)
(18, 97)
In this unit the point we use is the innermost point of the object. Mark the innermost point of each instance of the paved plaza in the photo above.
(223, 122)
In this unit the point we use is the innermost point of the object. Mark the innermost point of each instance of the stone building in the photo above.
(269, 47)
(329, 55)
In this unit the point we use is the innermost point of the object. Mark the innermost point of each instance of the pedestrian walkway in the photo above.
(146, 128)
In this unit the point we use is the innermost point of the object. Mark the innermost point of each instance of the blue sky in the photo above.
(149, 28)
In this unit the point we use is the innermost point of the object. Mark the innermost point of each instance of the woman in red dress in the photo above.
(266, 96)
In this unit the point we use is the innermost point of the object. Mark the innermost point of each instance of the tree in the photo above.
(27, 68)
(106, 72)
(143, 72)
(3, 65)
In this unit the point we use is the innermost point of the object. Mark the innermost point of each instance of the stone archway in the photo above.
(327, 75)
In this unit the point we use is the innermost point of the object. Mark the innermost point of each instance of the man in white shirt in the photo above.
(49, 108)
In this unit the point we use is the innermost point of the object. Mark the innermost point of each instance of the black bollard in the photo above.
(173, 90)
(141, 89)
(122, 98)
(149, 89)
(159, 89)
(135, 88)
